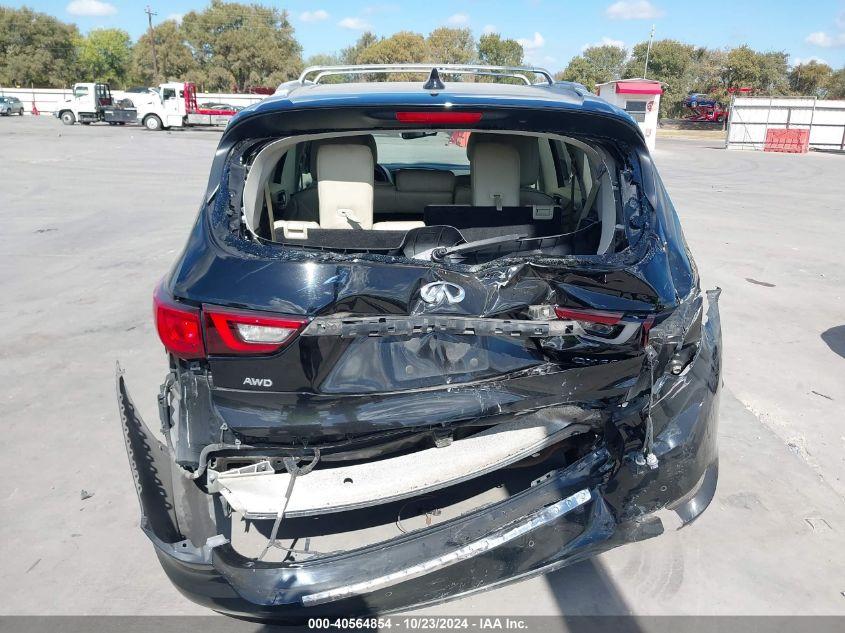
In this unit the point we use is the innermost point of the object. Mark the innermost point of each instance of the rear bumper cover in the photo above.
(595, 504)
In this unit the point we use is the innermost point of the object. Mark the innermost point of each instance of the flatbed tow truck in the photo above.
(175, 105)
(93, 103)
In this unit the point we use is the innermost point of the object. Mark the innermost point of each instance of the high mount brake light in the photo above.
(462, 118)
(178, 326)
(244, 333)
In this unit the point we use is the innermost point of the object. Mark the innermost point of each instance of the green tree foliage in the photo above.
(401, 47)
(595, 65)
(836, 85)
(671, 62)
(237, 46)
(175, 61)
(451, 46)
(496, 51)
(352, 54)
(811, 78)
(104, 56)
(36, 49)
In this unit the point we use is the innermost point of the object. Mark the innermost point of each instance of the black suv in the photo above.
(426, 337)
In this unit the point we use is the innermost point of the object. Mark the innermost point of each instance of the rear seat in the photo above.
(529, 168)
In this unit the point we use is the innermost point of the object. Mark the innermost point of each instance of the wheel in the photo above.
(152, 122)
(21, 112)
(68, 118)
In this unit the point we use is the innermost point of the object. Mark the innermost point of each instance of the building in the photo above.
(640, 98)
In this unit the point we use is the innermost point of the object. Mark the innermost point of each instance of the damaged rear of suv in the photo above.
(426, 337)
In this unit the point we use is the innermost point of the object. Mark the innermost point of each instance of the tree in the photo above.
(671, 62)
(451, 46)
(810, 79)
(36, 49)
(836, 85)
(495, 51)
(175, 61)
(352, 54)
(237, 45)
(104, 55)
(401, 47)
(595, 65)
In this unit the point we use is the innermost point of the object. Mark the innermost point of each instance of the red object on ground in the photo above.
(35, 111)
(787, 141)
(641, 87)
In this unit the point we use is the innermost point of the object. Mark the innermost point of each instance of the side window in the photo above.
(80, 91)
(168, 93)
(636, 109)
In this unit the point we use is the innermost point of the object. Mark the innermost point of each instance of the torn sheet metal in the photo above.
(257, 491)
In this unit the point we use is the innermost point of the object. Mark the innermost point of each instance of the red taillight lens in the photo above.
(178, 327)
(236, 332)
(589, 316)
(462, 118)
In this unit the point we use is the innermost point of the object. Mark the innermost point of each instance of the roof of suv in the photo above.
(560, 95)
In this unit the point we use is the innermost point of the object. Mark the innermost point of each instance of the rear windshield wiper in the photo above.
(442, 252)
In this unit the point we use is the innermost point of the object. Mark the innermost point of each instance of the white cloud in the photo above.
(533, 44)
(314, 16)
(457, 19)
(823, 40)
(633, 10)
(605, 41)
(355, 24)
(489, 28)
(90, 8)
(176, 17)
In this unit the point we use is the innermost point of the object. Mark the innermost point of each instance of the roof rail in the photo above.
(516, 72)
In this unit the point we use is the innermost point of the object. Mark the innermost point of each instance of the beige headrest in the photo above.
(361, 139)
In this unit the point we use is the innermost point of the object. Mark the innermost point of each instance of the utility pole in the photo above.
(648, 52)
(150, 13)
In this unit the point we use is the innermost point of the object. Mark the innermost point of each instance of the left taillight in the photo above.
(236, 332)
(179, 326)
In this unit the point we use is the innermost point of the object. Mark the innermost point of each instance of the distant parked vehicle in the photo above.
(10, 105)
(92, 103)
(215, 105)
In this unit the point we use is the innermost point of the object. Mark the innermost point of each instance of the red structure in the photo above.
(787, 141)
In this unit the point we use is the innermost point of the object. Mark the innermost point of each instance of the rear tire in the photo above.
(152, 123)
(67, 117)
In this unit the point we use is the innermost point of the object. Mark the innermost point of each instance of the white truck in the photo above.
(92, 103)
(174, 104)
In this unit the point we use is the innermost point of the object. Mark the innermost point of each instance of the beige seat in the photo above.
(494, 174)
(304, 205)
(345, 185)
(529, 168)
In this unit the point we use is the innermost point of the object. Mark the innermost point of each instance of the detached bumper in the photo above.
(595, 504)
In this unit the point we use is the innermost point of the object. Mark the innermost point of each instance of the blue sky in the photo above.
(551, 32)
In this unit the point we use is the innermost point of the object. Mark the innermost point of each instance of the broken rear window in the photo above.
(446, 195)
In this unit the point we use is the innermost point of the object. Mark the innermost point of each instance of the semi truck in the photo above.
(93, 103)
(174, 104)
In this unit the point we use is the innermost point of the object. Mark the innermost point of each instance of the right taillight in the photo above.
(599, 325)
(178, 327)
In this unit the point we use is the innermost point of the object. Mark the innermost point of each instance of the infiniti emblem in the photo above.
(441, 292)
